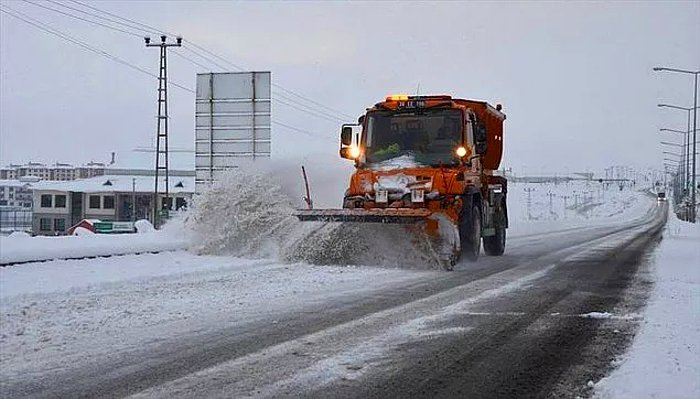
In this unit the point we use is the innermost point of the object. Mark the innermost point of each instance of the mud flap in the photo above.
(447, 245)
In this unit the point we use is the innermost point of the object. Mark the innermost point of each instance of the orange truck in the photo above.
(428, 161)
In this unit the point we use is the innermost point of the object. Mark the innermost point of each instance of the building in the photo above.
(15, 206)
(57, 171)
(15, 193)
(59, 205)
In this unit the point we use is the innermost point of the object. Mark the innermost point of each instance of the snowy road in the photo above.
(543, 320)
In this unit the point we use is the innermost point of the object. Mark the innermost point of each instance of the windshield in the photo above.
(425, 137)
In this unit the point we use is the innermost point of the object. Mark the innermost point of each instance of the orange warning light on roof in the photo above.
(397, 97)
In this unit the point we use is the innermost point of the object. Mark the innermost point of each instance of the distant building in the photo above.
(59, 205)
(15, 193)
(57, 171)
(67, 172)
(15, 206)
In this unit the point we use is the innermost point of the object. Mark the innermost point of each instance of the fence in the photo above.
(15, 219)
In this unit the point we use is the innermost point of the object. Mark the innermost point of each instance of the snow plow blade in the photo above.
(375, 215)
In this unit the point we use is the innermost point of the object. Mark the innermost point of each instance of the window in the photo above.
(46, 201)
(45, 224)
(26, 204)
(60, 201)
(59, 224)
(426, 136)
(180, 203)
(3, 202)
(94, 202)
(167, 203)
(108, 202)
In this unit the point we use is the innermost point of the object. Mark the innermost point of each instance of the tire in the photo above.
(470, 232)
(495, 245)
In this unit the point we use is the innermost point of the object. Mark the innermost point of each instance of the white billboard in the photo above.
(232, 122)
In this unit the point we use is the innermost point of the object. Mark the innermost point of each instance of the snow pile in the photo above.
(19, 234)
(664, 360)
(144, 226)
(25, 249)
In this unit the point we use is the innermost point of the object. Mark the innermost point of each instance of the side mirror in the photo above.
(480, 139)
(345, 153)
(346, 136)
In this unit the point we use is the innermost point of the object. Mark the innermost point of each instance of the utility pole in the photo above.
(529, 191)
(162, 130)
(133, 202)
(551, 208)
(565, 197)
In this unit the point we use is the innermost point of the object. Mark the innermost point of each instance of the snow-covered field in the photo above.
(664, 360)
(573, 204)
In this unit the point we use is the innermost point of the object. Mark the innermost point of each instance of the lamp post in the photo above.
(695, 121)
(687, 133)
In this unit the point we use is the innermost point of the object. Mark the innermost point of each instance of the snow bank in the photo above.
(664, 360)
(144, 226)
(24, 249)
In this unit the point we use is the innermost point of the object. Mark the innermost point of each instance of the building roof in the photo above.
(14, 183)
(108, 183)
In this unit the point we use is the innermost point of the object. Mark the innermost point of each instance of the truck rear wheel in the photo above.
(495, 245)
(470, 232)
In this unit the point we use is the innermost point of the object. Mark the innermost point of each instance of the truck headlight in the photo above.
(461, 151)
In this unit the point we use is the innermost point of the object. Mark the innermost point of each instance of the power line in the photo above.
(130, 22)
(204, 57)
(290, 102)
(313, 101)
(104, 25)
(313, 112)
(281, 98)
(296, 129)
(222, 59)
(48, 29)
(83, 19)
(191, 60)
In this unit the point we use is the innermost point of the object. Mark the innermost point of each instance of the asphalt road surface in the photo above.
(541, 321)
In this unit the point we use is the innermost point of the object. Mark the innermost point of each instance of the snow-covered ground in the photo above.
(664, 360)
(20, 248)
(572, 204)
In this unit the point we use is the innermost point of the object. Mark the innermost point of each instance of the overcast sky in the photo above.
(575, 79)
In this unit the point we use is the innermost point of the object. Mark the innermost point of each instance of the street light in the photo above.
(673, 144)
(695, 122)
(687, 135)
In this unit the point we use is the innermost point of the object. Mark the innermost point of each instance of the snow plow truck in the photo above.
(428, 161)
